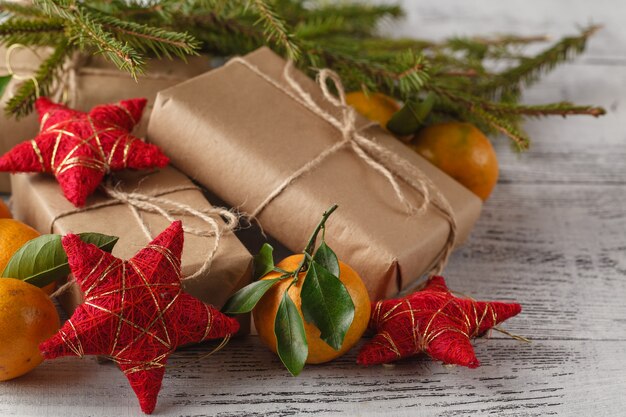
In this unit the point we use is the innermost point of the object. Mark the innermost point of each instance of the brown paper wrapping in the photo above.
(240, 137)
(37, 201)
(97, 82)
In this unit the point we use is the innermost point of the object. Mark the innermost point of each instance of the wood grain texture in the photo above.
(552, 237)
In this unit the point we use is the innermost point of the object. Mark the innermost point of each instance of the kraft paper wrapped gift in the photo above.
(240, 135)
(38, 201)
(97, 81)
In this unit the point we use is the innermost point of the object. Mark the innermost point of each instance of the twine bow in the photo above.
(167, 208)
(391, 166)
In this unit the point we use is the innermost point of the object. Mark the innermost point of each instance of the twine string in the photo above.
(387, 163)
(20, 77)
(166, 208)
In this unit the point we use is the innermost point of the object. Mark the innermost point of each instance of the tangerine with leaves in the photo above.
(265, 312)
(310, 308)
(27, 318)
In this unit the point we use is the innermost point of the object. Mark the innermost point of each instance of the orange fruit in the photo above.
(13, 235)
(461, 151)
(27, 318)
(264, 313)
(5, 213)
(375, 106)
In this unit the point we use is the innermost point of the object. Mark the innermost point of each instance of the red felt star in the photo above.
(432, 321)
(135, 311)
(80, 148)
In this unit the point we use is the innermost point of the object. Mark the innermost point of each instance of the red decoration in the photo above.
(80, 148)
(135, 311)
(432, 321)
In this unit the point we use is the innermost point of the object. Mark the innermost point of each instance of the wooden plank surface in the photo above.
(553, 237)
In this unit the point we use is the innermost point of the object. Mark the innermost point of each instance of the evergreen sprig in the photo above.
(528, 70)
(31, 32)
(342, 36)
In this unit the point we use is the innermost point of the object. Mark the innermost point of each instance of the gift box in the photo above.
(38, 202)
(244, 131)
(96, 81)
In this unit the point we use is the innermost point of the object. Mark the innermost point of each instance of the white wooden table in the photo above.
(552, 237)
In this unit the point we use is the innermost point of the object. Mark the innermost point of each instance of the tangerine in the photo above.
(461, 151)
(264, 313)
(27, 318)
(375, 106)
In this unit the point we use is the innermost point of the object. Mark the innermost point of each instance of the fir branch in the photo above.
(36, 32)
(364, 15)
(13, 8)
(404, 76)
(48, 72)
(562, 108)
(146, 38)
(220, 35)
(85, 30)
(275, 28)
(529, 69)
(519, 137)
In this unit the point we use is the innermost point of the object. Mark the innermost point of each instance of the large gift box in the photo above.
(38, 202)
(95, 81)
(243, 132)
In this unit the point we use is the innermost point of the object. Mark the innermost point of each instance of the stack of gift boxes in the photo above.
(240, 132)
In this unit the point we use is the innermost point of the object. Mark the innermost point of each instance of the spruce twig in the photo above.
(276, 28)
(529, 69)
(36, 32)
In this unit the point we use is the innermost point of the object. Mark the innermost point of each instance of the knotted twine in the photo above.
(390, 165)
(166, 208)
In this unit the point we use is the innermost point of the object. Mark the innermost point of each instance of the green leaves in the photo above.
(42, 260)
(263, 261)
(327, 258)
(4, 82)
(292, 345)
(244, 300)
(327, 304)
(410, 118)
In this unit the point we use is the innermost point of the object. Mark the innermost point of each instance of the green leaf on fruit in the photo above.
(327, 304)
(410, 118)
(291, 343)
(263, 261)
(327, 258)
(42, 260)
(244, 300)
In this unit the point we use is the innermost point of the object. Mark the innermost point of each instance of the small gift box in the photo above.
(139, 199)
(268, 140)
(91, 80)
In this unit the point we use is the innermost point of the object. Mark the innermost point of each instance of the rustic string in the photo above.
(20, 77)
(391, 166)
(155, 203)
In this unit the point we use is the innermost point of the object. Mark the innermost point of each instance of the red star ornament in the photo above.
(80, 148)
(432, 321)
(135, 311)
